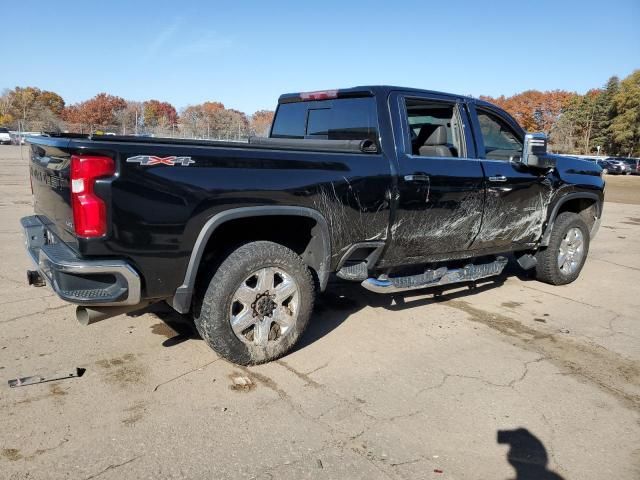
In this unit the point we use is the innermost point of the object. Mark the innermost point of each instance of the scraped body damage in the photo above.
(513, 219)
(353, 213)
(456, 224)
(437, 229)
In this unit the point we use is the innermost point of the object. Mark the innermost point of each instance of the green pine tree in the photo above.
(603, 115)
(625, 125)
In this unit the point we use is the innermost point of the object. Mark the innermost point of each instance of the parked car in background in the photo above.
(610, 167)
(632, 165)
(20, 138)
(5, 139)
(624, 166)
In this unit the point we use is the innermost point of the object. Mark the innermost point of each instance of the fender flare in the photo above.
(544, 241)
(320, 257)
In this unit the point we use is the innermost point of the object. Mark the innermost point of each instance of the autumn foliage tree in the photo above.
(535, 110)
(213, 120)
(96, 112)
(159, 114)
(30, 106)
(261, 122)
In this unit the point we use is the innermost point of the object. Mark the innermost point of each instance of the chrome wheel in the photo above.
(265, 307)
(571, 251)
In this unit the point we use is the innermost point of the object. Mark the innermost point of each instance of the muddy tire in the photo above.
(257, 304)
(561, 262)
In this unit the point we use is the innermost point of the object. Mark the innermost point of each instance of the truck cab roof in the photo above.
(365, 91)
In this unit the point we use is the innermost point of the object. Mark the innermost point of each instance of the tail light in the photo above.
(320, 95)
(89, 210)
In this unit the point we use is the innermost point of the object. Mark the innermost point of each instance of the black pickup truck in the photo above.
(396, 188)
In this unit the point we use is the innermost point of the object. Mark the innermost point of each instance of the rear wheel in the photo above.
(257, 304)
(561, 262)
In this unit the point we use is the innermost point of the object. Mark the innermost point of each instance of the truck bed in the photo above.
(305, 144)
(157, 210)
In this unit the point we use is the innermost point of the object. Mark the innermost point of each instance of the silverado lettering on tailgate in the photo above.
(54, 181)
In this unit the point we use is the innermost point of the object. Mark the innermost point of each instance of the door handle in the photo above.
(417, 177)
(498, 178)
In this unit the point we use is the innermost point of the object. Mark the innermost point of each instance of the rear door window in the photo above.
(338, 119)
(435, 128)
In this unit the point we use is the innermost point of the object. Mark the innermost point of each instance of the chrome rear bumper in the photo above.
(74, 279)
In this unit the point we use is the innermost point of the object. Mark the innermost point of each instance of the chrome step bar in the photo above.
(434, 278)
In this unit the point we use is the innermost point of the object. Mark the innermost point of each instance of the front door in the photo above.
(440, 189)
(517, 196)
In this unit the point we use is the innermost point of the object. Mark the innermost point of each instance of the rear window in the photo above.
(4, 130)
(338, 119)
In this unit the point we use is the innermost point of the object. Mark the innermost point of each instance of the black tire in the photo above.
(212, 313)
(547, 269)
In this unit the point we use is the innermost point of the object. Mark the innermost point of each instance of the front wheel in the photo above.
(561, 262)
(257, 305)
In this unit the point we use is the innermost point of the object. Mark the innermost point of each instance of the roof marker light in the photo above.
(319, 95)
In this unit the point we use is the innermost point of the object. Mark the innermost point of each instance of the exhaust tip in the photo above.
(88, 316)
(82, 315)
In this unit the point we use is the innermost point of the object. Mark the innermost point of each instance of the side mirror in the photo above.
(535, 151)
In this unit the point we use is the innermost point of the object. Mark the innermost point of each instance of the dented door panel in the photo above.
(440, 215)
(516, 205)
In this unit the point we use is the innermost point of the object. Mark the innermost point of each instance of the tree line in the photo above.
(604, 120)
(32, 109)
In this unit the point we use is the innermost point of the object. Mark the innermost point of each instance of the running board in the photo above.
(434, 278)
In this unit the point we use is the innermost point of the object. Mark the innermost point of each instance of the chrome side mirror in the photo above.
(534, 153)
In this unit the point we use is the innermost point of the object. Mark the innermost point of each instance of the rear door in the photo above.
(440, 189)
(517, 196)
(351, 190)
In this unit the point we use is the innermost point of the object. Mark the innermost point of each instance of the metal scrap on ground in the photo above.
(32, 380)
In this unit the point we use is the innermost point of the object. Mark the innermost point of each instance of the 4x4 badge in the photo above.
(148, 160)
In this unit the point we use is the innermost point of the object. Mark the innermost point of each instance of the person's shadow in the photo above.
(527, 455)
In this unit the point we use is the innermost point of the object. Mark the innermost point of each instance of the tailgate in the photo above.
(50, 180)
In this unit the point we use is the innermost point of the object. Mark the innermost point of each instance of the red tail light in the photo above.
(89, 210)
(320, 95)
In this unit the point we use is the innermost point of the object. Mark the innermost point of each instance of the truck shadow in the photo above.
(341, 300)
(182, 325)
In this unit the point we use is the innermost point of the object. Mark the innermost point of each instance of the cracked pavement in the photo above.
(512, 376)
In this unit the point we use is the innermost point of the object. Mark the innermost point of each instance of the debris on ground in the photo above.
(35, 379)
(242, 383)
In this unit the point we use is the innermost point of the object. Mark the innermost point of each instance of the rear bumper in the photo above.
(76, 280)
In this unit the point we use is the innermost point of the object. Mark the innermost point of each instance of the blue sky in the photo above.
(245, 53)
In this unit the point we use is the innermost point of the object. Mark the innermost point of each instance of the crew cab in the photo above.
(395, 188)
